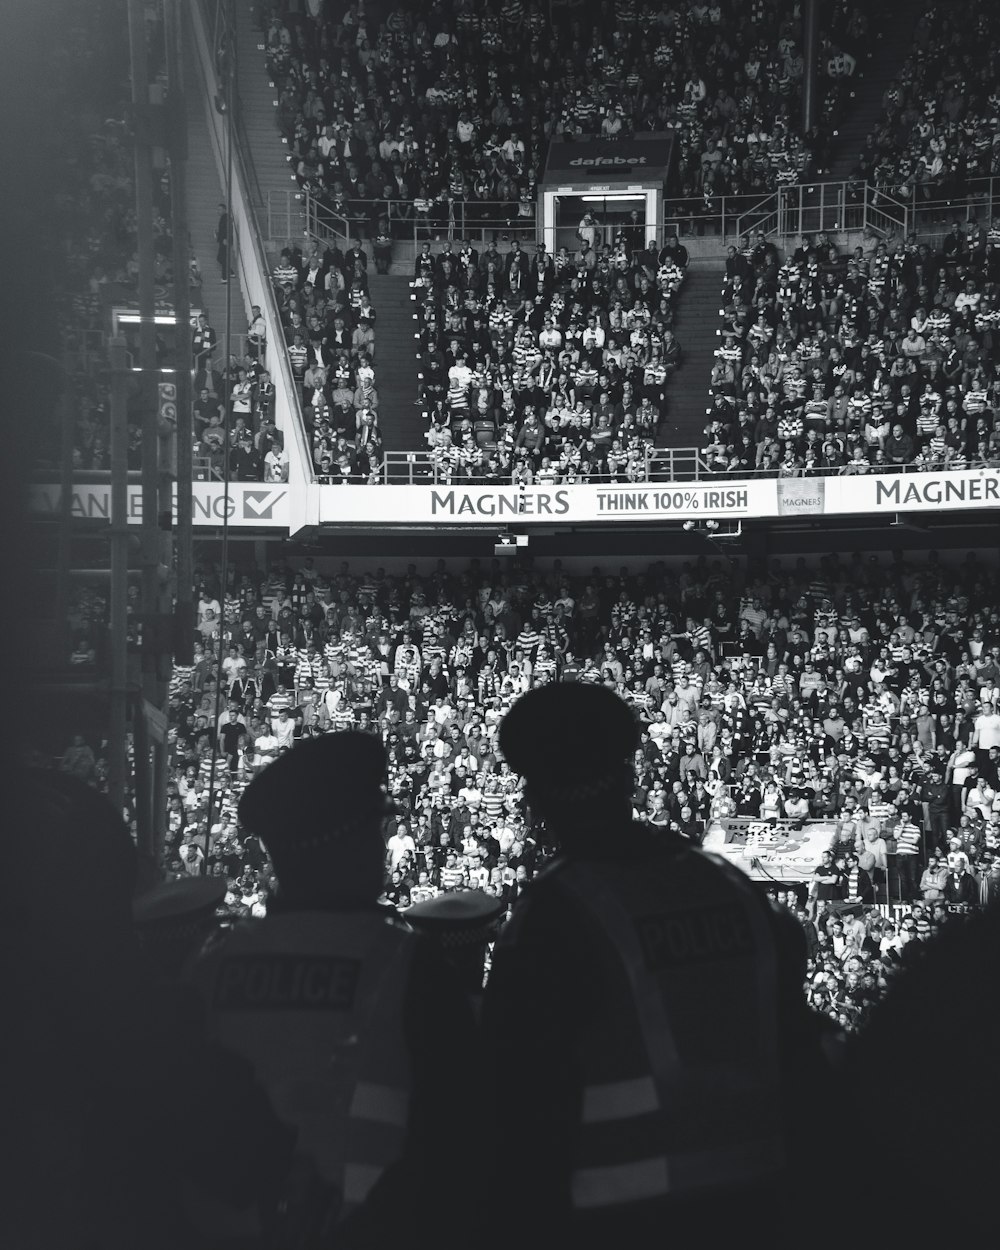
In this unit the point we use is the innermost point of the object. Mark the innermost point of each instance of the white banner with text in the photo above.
(264, 506)
(914, 492)
(567, 505)
(249, 504)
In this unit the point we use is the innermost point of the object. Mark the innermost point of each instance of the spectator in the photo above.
(222, 231)
(256, 334)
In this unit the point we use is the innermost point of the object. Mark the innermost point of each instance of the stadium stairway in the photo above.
(258, 97)
(695, 325)
(890, 41)
(204, 193)
(396, 364)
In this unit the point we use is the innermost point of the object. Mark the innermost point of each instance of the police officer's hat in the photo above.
(180, 905)
(460, 925)
(175, 917)
(459, 919)
(320, 791)
(570, 739)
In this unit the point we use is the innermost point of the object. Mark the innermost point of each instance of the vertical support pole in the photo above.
(150, 432)
(810, 56)
(118, 721)
(183, 534)
(64, 533)
(229, 70)
(143, 790)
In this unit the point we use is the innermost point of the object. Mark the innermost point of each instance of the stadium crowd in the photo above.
(407, 125)
(940, 129)
(869, 362)
(329, 323)
(860, 692)
(541, 368)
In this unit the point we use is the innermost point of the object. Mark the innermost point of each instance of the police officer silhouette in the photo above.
(642, 1004)
(120, 1116)
(353, 1023)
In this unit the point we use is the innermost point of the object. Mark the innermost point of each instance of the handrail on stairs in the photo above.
(217, 18)
(755, 218)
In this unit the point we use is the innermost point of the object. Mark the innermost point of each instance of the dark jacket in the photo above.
(899, 450)
(539, 1003)
(960, 888)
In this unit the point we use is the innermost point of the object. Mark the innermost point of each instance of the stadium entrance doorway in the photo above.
(598, 189)
(600, 218)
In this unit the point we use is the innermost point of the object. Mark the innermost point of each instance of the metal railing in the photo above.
(978, 200)
(662, 464)
(217, 14)
(477, 220)
(806, 208)
(421, 468)
(718, 217)
(283, 215)
(971, 462)
(834, 207)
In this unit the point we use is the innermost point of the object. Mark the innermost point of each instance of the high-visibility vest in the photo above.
(680, 1085)
(315, 1001)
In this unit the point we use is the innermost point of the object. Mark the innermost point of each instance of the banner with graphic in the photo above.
(801, 496)
(772, 850)
(645, 156)
(249, 504)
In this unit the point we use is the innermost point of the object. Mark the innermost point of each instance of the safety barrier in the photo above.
(661, 464)
(803, 208)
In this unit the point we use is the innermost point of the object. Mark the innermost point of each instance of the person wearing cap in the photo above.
(108, 1071)
(353, 1022)
(630, 987)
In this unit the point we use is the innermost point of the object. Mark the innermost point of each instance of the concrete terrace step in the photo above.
(204, 192)
(396, 364)
(889, 43)
(695, 324)
(257, 101)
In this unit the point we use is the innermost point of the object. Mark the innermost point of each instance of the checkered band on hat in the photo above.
(580, 791)
(334, 832)
(171, 930)
(462, 938)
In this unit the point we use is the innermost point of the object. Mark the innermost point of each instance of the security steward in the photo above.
(641, 1008)
(353, 1023)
